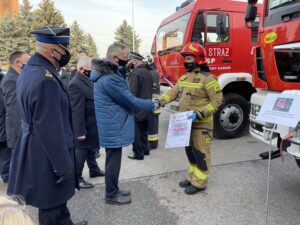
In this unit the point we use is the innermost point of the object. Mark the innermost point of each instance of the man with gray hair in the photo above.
(81, 96)
(117, 53)
(114, 105)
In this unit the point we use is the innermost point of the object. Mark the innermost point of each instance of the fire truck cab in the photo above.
(219, 26)
(276, 67)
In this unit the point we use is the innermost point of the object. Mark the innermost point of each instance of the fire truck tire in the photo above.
(298, 161)
(231, 120)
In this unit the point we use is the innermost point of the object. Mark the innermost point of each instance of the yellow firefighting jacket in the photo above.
(197, 91)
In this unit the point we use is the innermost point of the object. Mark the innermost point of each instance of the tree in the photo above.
(80, 40)
(47, 15)
(25, 19)
(12, 38)
(77, 41)
(124, 34)
(92, 48)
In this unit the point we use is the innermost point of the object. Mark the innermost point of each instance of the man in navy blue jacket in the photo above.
(114, 106)
(43, 163)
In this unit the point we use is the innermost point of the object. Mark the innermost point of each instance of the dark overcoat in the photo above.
(13, 120)
(140, 83)
(81, 96)
(2, 116)
(45, 149)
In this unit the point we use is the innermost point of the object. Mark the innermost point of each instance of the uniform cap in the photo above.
(53, 35)
(135, 55)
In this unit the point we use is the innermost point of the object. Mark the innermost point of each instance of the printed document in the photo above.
(179, 130)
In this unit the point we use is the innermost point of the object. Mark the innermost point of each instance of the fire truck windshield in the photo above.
(172, 34)
(274, 4)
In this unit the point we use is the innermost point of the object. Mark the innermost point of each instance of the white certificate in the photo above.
(179, 130)
(281, 109)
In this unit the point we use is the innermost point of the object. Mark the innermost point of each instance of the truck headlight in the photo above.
(295, 131)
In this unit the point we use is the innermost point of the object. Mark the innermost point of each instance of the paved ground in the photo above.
(236, 193)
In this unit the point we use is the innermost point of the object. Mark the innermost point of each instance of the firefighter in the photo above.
(198, 90)
(140, 84)
(154, 119)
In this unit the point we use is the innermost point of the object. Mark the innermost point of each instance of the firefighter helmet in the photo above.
(195, 49)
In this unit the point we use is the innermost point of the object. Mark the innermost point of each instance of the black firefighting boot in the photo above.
(184, 183)
(191, 190)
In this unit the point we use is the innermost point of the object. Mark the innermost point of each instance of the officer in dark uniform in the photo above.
(154, 118)
(43, 163)
(140, 84)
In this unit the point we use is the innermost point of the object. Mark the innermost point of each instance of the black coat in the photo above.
(45, 148)
(2, 115)
(81, 96)
(13, 120)
(140, 83)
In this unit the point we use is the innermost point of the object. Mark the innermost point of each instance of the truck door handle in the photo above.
(227, 60)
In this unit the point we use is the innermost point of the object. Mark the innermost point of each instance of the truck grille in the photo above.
(254, 110)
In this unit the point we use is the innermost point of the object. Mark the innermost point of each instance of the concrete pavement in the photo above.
(236, 194)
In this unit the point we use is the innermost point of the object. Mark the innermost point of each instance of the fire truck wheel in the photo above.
(298, 161)
(231, 120)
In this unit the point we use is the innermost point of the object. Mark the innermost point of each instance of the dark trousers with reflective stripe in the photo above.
(140, 145)
(112, 171)
(59, 215)
(153, 131)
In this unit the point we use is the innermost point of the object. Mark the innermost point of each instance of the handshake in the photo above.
(156, 104)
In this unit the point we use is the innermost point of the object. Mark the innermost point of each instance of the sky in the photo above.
(101, 18)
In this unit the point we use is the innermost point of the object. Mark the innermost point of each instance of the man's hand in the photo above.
(81, 138)
(63, 178)
(193, 116)
(156, 103)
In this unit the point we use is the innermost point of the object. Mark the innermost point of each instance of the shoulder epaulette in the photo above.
(48, 74)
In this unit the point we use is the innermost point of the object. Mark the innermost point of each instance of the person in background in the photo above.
(154, 118)
(17, 60)
(43, 162)
(83, 52)
(114, 106)
(4, 151)
(81, 96)
(140, 84)
(13, 212)
(198, 91)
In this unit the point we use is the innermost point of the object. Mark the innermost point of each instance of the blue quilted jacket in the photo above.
(114, 105)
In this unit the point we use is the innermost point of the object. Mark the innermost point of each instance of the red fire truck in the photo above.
(276, 67)
(218, 25)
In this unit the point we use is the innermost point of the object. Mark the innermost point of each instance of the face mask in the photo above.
(122, 62)
(189, 67)
(64, 59)
(87, 73)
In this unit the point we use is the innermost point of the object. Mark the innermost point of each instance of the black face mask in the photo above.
(122, 62)
(189, 67)
(87, 73)
(64, 59)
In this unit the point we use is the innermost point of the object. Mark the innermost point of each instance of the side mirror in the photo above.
(251, 13)
(221, 25)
